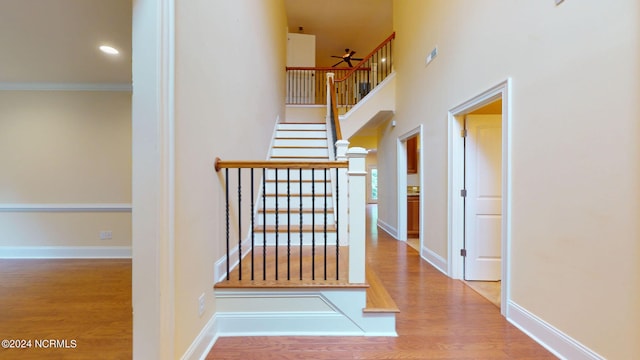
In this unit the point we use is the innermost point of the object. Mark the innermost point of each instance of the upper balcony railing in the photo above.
(306, 85)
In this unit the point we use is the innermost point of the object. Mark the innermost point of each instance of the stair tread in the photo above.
(378, 299)
(297, 211)
(292, 194)
(296, 180)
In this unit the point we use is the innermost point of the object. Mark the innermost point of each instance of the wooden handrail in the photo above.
(240, 164)
(334, 110)
(355, 68)
(326, 68)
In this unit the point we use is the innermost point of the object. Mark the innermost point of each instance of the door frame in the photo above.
(402, 182)
(456, 183)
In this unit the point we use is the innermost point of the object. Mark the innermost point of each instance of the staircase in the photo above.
(291, 219)
(305, 195)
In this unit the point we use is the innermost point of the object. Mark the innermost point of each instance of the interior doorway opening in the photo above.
(410, 198)
(479, 203)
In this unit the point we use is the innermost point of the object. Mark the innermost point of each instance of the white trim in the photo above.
(64, 207)
(65, 252)
(25, 86)
(304, 106)
(388, 228)
(554, 340)
(153, 179)
(455, 202)
(220, 267)
(434, 259)
(202, 344)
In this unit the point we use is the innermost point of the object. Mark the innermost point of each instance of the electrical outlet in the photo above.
(201, 305)
(432, 55)
(106, 235)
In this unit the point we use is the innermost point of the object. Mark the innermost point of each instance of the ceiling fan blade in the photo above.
(352, 52)
(338, 57)
(356, 59)
(338, 63)
(348, 61)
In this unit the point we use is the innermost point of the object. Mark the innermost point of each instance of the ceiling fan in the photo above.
(346, 58)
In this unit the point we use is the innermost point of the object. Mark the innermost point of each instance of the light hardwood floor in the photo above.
(90, 301)
(81, 302)
(439, 318)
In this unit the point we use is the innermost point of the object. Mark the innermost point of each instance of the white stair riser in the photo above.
(294, 187)
(298, 142)
(319, 127)
(301, 134)
(295, 152)
(294, 202)
(294, 218)
(294, 174)
(307, 239)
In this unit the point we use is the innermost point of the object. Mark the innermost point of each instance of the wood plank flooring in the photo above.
(88, 301)
(439, 318)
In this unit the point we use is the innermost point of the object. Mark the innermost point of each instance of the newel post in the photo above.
(342, 213)
(330, 77)
(357, 213)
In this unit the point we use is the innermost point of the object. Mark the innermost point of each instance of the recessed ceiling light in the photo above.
(383, 59)
(109, 50)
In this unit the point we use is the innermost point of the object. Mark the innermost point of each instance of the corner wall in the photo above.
(575, 153)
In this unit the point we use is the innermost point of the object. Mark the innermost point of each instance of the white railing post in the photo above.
(357, 214)
(342, 210)
(330, 76)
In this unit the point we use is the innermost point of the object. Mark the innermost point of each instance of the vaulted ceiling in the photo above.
(48, 41)
(338, 24)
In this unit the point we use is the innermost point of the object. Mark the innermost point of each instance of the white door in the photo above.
(483, 203)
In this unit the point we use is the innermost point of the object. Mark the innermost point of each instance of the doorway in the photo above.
(479, 178)
(410, 197)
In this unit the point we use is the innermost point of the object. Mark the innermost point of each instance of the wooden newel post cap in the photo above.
(216, 164)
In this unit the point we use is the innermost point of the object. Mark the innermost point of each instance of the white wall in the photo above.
(575, 147)
(64, 149)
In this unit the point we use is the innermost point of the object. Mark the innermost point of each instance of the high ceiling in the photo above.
(338, 24)
(48, 41)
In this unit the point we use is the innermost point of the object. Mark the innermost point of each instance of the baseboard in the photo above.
(388, 229)
(220, 268)
(203, 343)
(434, 259)
(65, 252)
(554, 340)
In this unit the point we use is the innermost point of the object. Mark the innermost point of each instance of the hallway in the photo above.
(439, 318)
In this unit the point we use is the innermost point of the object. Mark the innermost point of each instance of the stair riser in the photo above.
(296, 152)
(307, 239)
(295, 202)
(294, 187)
(301, 134)
(317, 127)
(294, 218)
(297, 142)
(294, 174)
